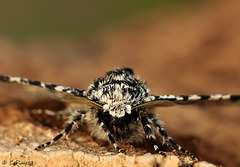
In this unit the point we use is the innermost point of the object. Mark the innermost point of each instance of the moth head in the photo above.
(117, 109)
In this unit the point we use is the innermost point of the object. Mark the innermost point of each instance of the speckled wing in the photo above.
(69, 94)
(81, 101)
(170, 100)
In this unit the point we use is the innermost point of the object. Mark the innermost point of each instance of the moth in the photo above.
(119, 110)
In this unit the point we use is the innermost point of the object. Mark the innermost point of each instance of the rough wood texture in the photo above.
(19, 136)
(53, 159)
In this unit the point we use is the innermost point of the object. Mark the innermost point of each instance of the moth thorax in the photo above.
(117, 109)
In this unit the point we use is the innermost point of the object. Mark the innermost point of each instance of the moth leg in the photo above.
(65, 131)
(106, 130)
(148, 129)
(167, 138)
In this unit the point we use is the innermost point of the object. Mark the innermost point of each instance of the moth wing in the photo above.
(81, 101)
(159, 103)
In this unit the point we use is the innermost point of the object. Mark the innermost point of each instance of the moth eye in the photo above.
(106, 115)
(129, 70)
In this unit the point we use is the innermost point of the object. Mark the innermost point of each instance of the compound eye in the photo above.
(129, 70)
(106, 115)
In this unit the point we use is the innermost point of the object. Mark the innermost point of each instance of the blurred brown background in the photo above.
(188, 47)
